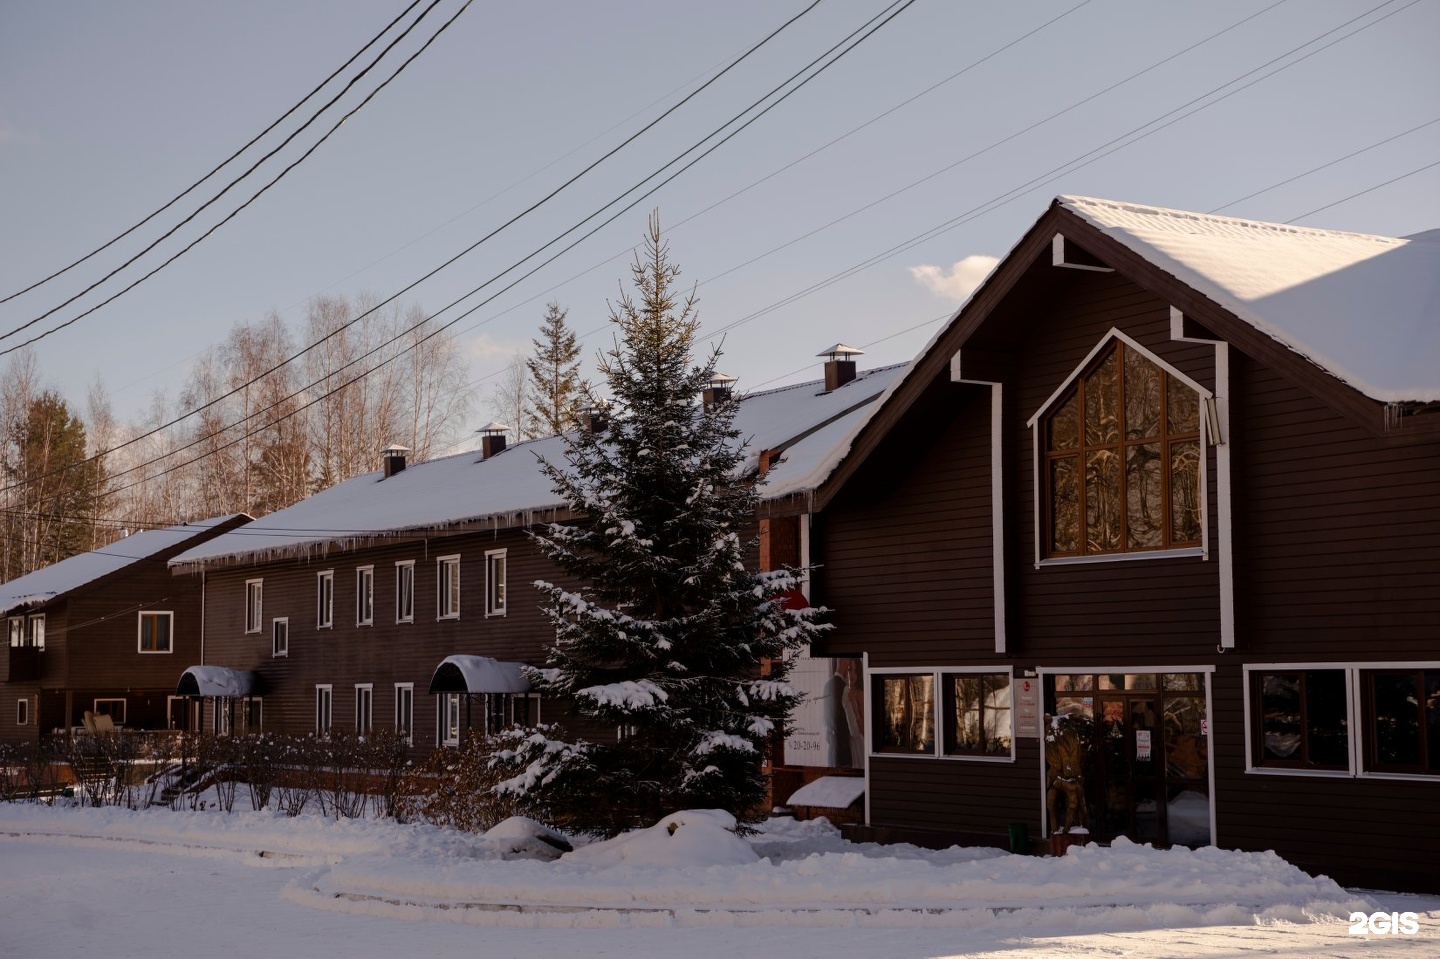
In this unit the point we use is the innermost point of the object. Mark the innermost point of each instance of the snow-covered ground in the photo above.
(161, 883)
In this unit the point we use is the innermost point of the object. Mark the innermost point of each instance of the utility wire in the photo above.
(891, 11)
(195, 242)
(1365, 191)
(223, 163)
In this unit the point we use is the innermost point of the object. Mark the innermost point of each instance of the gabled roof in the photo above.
(57, 579)
(1366, 309)
(1353, 317)
(508, 489)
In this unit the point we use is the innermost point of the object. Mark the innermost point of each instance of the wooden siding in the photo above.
(956, 796)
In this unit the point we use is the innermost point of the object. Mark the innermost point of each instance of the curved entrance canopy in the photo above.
(217, 681)
(478, 674)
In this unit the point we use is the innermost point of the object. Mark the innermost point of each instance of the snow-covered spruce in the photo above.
(666, 638)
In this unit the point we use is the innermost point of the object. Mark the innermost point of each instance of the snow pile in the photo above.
(695, 837)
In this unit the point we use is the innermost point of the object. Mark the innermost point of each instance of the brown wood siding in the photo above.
(955, 796)
(101, 637)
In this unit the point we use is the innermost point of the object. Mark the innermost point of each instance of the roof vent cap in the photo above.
(392, 459)
(840, 365)
(492, 438)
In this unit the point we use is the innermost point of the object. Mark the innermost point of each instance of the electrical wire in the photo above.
(1365, 191)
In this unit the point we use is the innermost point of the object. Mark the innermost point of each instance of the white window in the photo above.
(405, 591)
(254, 596)
(448, 733)
(37, 631)
(155, 632)
(405, 711)
(22, 712)
(365, 596)
(27, 631)
(364, 707)
(324, 700)
(114, 708)
(17, 632)
(220, 715)
(495, 583)
(448, 579)
(280, 637)
(325, 599)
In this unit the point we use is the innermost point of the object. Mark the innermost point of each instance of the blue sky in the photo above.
(107, 110)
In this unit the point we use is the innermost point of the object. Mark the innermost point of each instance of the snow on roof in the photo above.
(43, 585)
(215, 681)
(508, 487)
(829, 792)
(478, 674)
(1364, 308)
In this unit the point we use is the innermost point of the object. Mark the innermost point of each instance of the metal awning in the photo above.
(478, 674)
(217, 681)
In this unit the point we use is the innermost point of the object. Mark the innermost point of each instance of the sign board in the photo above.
(827, 728)
(1027, 707)
(1142, 745)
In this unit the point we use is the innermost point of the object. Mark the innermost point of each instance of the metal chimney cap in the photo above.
(721, 381)
(840, 352)
(492, 428)
(395, 449)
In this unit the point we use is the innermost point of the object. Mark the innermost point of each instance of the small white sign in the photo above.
(1027, 707)
(1142, 745)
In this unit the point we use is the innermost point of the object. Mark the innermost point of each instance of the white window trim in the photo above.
(409, 725)
(35, 637)
(329, 690)
(124, 706)
(280, 621)
(498, 609)
(258, 608)
(362, 573)
(442, 594)
(320, 607)
(442, 725)
(1356, 723)
(1037, 461)
(937, 674)
(16, 630)
(140, 632)
(369, 690)
(22, 711)
(401, 564)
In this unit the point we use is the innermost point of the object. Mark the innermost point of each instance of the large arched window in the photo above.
(1121, 460)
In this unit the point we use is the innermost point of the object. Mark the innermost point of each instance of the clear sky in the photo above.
(107, 110)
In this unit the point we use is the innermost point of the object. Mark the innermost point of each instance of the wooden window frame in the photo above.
(325, 599)
(364, 708)
(254, 605)
(404, 569)
(405, 711)
(495, 598)
(324, 718)
(447, 586)
(947, 737)
(875, 686)
(365, 596)
(278, 625)
(169, 632)
(1369, 726)
(35, 630)
(442, 717)
(1255, 694)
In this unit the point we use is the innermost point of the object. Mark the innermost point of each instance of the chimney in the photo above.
(492, 439)
(718, 391)
(392, 459)
(595, 418)
(839, 365)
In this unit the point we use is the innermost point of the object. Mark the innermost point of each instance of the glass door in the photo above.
(1131, 767)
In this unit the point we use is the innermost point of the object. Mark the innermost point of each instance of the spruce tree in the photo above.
(661, 648)
(555, 386)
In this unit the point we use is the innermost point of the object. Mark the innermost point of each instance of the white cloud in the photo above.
(483, 349)
(960, 280)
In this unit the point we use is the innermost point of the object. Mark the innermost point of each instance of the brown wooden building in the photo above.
(403, 599)
(1148, 541)
(109, 631)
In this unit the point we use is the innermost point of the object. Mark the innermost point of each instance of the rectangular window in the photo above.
(22, 712)
(27, 631)
(155, 632)
(1402, 720)
(405, 591)
(405, 711)
(365, 596)
(364, 708)
(448, 580)
(36, 636)
(251, 715)
(324, 700)
(325, 599)
(254, 596)
(114, 708)
(220, 715)
(495, 582)
(977, 714)
(17, 632)
(1302, 719)
(280, 637)
(448, 720)
(904, 712)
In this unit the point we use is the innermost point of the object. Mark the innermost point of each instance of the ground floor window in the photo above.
(448, 733)
(1302, 720)
(405, 711)
(904, 712)
(503, 710)
(962, 713)
(22, 712)
(236, 715)
(1127, 754)
(324, 709)
(364, 708)
(1401, 709)
(114, 708)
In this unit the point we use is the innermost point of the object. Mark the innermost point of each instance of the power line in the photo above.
(255, 196)
(1365, 191)
(223, 163)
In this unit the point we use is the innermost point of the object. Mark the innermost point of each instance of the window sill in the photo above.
(1303, 773)
(448, 616)
(1402, 777)
(1186, 553)
(154, 652)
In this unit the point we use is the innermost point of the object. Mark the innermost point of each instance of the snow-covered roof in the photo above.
(43, 585)
(1364, 308)
(509, 487)
(478, 674)
(829, 792)
(216, 681)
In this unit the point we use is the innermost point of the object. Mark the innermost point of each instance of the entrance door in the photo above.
(1132, 766)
